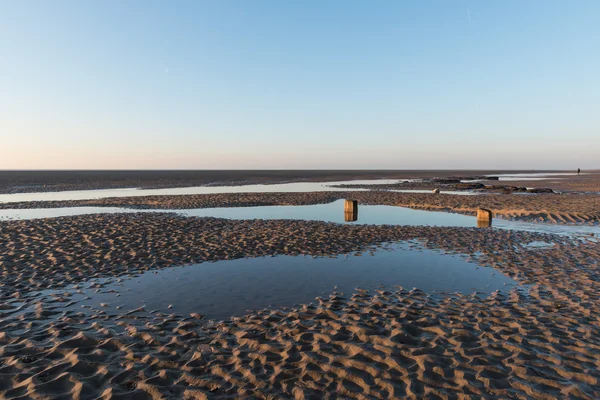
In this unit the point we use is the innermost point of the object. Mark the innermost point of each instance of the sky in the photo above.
(261, 84)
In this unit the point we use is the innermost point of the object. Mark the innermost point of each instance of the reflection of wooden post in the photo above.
(350, 217)
(484, 223)
(350, 210)
(484, 218)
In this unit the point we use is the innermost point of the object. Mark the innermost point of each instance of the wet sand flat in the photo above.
(393, 343)
(41, 181)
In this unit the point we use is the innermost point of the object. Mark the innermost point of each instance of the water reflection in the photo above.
(225, 288)
(534, 176)
(135, 192)
(482, 223)
(331, 212)
(350, 216)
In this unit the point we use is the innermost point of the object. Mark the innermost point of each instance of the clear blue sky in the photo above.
(300, 84)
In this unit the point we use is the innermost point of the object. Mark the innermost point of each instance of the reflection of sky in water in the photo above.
(455, 192)
(283, 187)
(535, 176)
(225, 288)
(539, 245)
(518, 178)
(133, 192)
(332, 212)
(36, 213)
(526, 177)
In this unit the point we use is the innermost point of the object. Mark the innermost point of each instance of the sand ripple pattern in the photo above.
(399, 344)
(39, 254)
(394, 343)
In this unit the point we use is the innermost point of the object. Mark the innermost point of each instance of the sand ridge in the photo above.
(556, 208)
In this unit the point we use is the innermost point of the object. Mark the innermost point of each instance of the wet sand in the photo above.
(50, 181)
(552, 207)
(543, 343)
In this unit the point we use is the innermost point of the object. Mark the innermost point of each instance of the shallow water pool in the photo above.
(331, 212)
(135, 192)
(222, 289)
(534, 176)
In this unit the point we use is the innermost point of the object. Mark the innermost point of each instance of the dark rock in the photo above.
(540, 190)
(469, 186)
(445, 180)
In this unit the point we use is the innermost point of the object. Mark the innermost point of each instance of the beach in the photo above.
(299, 200)
(539, 339)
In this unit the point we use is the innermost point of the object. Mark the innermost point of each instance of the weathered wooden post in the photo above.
(350, 210)
(350, 206)
(484, 218)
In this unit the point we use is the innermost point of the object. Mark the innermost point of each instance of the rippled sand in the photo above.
(543, 343)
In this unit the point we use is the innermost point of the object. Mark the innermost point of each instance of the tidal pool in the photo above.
(135, 192)
(330, 212)
(222, 289)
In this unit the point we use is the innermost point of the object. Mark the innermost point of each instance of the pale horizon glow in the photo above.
(299, 85)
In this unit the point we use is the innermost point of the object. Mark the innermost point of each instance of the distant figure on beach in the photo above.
(578, 171)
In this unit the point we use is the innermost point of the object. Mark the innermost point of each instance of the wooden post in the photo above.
(351, 206)
(484, 218)
(350, 210)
